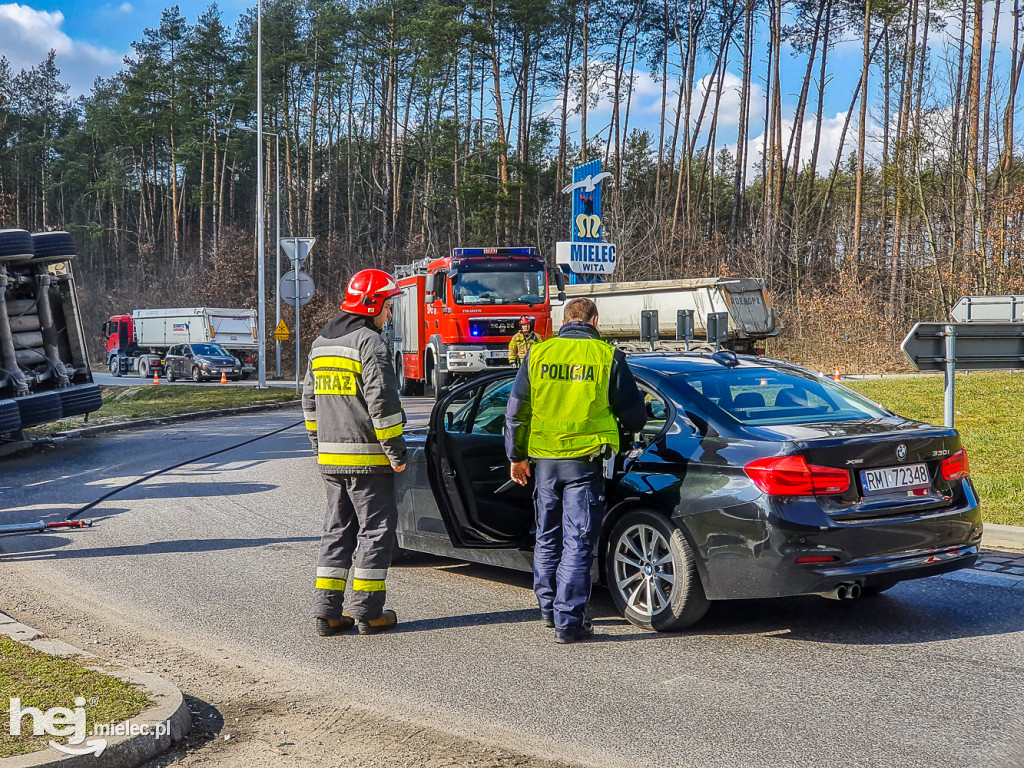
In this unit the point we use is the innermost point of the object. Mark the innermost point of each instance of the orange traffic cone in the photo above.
(223, 377)
(156, 375)
(837, 377)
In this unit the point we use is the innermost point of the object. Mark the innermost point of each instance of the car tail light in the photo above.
(821, 559)
(956, 467)
(793, 476)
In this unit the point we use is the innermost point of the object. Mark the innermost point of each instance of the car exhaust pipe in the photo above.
(845, 591)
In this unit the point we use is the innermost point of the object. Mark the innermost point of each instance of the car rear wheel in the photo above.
(651, 572)
(169, 372)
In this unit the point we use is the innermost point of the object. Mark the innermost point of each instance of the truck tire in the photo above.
(79, 400)
(143, 370)
(114, 366)
(10, 417)
(440, 381)
(39, 409)
(15, 245)
(53, 246)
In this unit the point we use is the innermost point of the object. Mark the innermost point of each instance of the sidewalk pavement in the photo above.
(169, 711)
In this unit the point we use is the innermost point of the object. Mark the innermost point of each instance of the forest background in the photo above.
(407, 128)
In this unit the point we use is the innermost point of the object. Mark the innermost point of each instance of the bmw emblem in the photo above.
(901, 451)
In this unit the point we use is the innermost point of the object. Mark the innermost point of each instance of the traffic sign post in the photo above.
(297, 249)
(968, 346)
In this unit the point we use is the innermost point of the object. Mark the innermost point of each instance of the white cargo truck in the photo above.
(138, 342)
(619, 306)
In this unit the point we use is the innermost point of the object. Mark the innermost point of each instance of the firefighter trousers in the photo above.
(356, 546)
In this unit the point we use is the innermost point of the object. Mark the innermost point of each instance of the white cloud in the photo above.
(27, 35)
(125, 8)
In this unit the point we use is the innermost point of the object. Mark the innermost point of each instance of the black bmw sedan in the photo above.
(753, 478)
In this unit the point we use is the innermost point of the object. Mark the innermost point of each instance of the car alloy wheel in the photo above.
(643, 570)
(168, 372)
(651, 572)
(196, 375)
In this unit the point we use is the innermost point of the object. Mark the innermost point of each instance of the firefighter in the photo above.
(522, 341)
(567, 404)
(354, 419)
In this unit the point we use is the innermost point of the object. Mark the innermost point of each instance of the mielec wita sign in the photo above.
(585, 253)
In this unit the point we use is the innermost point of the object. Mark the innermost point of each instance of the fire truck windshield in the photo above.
(500, 287)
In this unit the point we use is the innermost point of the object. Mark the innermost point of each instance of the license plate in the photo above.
(886, 479)
(496, 353)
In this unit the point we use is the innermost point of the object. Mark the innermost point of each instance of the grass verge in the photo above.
(988, 417)
(147, 401)
(45, 681)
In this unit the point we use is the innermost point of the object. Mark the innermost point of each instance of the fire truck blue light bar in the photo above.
(494, 251)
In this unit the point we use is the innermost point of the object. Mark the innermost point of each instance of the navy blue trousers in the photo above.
(569, 503)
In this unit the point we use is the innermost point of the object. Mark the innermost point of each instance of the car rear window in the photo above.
(765, 396)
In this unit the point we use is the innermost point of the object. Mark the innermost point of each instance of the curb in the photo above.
(121, 751)
(1003, 537)
(101, 429)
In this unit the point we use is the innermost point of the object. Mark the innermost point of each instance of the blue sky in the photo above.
(92, 38)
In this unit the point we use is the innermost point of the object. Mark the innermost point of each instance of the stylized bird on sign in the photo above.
(589, 184)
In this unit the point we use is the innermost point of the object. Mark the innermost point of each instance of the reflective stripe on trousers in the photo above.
(358, 540)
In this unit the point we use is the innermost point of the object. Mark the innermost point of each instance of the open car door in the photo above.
(466, 464)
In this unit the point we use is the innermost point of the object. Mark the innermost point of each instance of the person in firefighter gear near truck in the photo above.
(522, 341)
(354, 418)
(567, 404)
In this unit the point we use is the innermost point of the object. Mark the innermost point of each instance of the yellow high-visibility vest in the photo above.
(570, 413)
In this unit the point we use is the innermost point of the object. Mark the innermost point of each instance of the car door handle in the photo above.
(496, 467)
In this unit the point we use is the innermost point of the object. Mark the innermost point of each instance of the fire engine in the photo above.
(458, 313)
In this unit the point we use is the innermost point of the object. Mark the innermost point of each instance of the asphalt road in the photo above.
(220, 553)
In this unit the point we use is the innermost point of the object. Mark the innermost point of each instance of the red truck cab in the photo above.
(459, 312)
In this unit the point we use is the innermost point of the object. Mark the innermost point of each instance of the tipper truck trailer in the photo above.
(137, 343)
(619, 307)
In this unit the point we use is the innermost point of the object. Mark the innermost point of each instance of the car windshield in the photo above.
(766, 396)
(500, 287)
(209, 349)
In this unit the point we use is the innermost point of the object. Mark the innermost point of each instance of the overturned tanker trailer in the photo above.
(619, 306)
(44, 365)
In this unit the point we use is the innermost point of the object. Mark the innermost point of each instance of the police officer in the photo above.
(567, 403)
(354, 418)
(522, 341)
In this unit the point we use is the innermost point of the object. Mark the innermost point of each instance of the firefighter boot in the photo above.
(330, 627)
(387, 620)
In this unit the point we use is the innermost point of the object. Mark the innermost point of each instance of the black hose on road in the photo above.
(159, 472)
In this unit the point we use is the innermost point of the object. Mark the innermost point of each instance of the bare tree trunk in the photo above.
(858, 205)
(971, 160)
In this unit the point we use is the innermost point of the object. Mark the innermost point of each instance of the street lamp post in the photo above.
(260, 276)
(277, 231)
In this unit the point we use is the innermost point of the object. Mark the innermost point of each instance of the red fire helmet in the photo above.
(367, 291)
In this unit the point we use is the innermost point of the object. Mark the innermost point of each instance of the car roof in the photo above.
(672, 363)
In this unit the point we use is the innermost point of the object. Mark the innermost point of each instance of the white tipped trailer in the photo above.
(751, 318)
